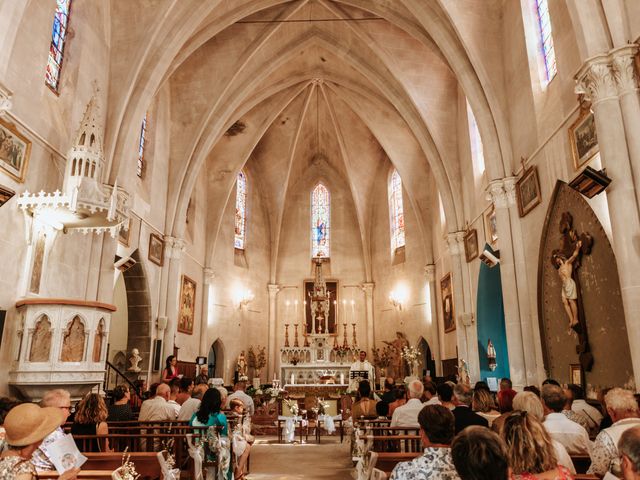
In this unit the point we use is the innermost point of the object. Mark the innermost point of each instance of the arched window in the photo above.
(396, 211)
(546, 39)
(56, 50)
(143, 138)
(320, 221)
(477, 151)
(241, 211)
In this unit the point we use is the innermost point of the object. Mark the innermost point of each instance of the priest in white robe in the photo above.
(362, 365)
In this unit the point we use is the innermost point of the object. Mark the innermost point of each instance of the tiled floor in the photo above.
(329, 460)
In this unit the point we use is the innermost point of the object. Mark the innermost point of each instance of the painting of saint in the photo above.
(446, 291)
(14, 151)
(187, 306)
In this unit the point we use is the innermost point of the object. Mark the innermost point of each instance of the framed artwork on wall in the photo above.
(123, 234)
(491, 226)
(448, 315)
(471, 244)
(15, 150)
(575, 374)
(187, 306)
(583, 138)
(156, 249)
(528, 191)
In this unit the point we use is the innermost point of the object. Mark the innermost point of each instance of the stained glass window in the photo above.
(396, 211)
(546, 39)
(143, 138)
(320, 221)
(241, 211)
(477, 152)
(56, 50)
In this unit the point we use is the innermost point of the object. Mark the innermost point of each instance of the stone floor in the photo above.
(270, 460)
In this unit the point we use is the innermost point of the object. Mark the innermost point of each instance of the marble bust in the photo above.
(134, 360)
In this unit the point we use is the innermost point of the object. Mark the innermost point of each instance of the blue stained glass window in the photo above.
(320, 221)
(241, 211)
(546, 39)
(396, 211)
(56, 50)
(143, 138)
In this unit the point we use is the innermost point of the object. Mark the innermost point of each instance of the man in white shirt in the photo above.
(157, 409)
(174, 387)
(570, 434)
(570, 414)
(362, 365)
(623, 410)
(591, 414)
(407, 414)
(430, 394)
(238, 392)
(192, 405)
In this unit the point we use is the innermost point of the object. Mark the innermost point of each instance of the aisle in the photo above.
(308, 461)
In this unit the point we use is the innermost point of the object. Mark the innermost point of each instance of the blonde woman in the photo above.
(483, 404)
(530, 450)
(91, 419)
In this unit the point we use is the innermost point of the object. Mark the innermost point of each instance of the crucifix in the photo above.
(567, 260)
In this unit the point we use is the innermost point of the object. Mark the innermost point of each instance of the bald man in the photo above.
(158, 409)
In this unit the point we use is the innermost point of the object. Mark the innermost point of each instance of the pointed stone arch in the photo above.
(216, 359)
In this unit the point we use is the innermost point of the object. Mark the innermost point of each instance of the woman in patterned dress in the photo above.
(26, 426)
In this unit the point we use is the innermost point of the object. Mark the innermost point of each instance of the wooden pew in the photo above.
(84, 474)
(581, 463)
(388, 460)
(395, 443)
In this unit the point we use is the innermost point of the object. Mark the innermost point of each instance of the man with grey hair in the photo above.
(191, 406)
(623, 410)
(629, 448)
(573, 436)
(57, 398)
(158, 409)
(462, 396)
(407, 414)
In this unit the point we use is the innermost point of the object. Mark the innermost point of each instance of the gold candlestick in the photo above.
(306, 340)
(345, 343)
(286, 334)
(295, 336)
(355, 341)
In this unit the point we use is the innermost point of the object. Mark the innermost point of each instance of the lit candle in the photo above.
(353, 310)
(293, 379)
(341, 378)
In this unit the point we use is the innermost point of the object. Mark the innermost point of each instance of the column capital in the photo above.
(209, 275)
(624, 68)
(595, 79)
(455, 242)
(430, 272)
(174, 247)
(273, 289)
(502, 192)
(5, 99)
(367, 288)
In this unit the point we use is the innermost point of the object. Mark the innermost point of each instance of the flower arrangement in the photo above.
(292, 405)
(382, 356)
(257, 358)
(341, 351)
(127, 471)
(323, 406)
(411, 355)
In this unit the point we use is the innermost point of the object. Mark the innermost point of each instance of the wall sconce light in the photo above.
(398, 297)
(245, 299)
(491, 356)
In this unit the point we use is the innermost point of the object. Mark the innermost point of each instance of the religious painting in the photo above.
(123, 234)
(330, 324)
(583, 138)
(575, 374)
(241, 211)
(448, 314)
(156, 249)
(491, 226)
(187, 310)
(41, 341)
(528, 191)
(5, 194)
(15, 149)
(320, 221)
(73, 341)
(471, 244)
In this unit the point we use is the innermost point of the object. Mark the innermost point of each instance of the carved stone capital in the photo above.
(367, 288)
(273, 290)
(624, 68)
(596, 80)
(5, 99)
(174, 247)
(430, 272)
(209, 275)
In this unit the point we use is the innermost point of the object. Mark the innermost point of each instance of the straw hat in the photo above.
(28, 423)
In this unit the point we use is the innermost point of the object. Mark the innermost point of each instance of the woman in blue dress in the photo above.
(209, 415)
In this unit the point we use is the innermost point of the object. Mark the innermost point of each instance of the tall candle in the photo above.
(293, 379)
(342, 379)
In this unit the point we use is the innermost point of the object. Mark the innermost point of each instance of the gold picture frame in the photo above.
(471, 245)
(575, 374)
(491, 226)
(124, 234)
(448, 311)
(187, 305)
(583, 138)
(15, 150)
(528, 192)
(156, 249)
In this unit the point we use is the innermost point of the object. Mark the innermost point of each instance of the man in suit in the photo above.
(462, 395)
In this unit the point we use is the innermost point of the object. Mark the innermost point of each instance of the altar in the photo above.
(317, 364)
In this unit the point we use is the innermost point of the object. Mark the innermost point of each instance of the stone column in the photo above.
(597, 80)
(497, 194)
(626, 77)
(435, 330)
(367, 288)
(173, 252)
(208, 276)
(272, 352)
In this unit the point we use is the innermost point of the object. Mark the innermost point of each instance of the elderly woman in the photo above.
(26, 426)
(91, 419)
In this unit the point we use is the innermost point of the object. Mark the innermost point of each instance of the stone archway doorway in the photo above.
(427, 363)
(215, 360)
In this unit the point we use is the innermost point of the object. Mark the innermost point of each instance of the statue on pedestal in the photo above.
(398, 365)
(134, 360)
(241, 366)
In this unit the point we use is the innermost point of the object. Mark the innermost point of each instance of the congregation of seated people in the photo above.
(537, 433)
